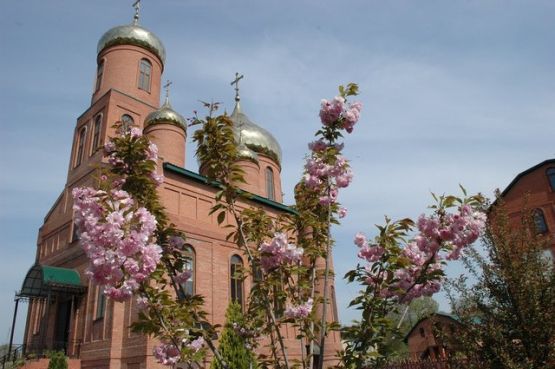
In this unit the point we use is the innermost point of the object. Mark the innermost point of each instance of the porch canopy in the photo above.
(42, 280)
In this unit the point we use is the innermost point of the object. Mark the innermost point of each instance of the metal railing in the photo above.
(33, 351)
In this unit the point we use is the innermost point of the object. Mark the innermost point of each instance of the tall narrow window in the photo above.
(99, 72)
(100, 304)
(80, 146)
(270, 183)
(189, 286)
(236, 280)
(539, 220)
(96, 132)
(551, 176)
(334, 304)
(145, 72)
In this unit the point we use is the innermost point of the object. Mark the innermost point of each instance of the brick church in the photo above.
(67, 311)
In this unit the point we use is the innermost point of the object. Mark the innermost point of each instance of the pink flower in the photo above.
(318, 145)
(183, 277)
(196, 344)
(279, 252)
(167, 354)
(176, 242)
(135, 132)
(342, 212)
(330, 111)
(360, 239)
(300, 311)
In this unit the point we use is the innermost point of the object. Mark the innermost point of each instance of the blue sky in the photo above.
(453, 92)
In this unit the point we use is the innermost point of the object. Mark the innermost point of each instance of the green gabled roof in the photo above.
(42, 279)
(204, 180)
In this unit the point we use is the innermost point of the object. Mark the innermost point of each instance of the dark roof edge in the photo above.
(204, 180)
(522, 174)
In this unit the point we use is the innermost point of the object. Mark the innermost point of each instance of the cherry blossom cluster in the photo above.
(118, 238)
(439, 238)
(300, 311)
(168, 354)
(115, 159)
(320, 174)
(278, 252)
(339, 111)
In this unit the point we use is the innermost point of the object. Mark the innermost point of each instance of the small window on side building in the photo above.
(551, 177)
(145, 73)
(539, 221)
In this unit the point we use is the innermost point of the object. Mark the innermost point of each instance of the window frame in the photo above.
(96, 141)
(80, 146)
(270, 184)
(189, 253)
(145, 76)
(550, 173)
(100, 306)
(125, 125)
(99, 75)
(539, 221)
(236, 290)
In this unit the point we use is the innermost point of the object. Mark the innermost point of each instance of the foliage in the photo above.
(58, 360)
(233, 349)
(126, 232)
(509, 313)
(399, 269)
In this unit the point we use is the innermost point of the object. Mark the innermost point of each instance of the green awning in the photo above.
(42, 279)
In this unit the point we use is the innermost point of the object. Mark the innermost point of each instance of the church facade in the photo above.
(67, 311)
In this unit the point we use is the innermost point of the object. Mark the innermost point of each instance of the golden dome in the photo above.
(132, 34)
(166, 114)
(253, 136)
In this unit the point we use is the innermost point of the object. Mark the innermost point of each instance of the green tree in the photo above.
(58, 360)
(233, 348)
(508, 315)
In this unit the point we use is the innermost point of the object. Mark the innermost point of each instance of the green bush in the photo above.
(232, 346)
(58, 360)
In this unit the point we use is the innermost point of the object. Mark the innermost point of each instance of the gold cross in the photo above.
(137, 6)
(236, 83)
(167, 88)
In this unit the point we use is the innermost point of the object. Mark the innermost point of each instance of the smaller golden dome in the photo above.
(166, 114)
(243, 152)
(253, 136)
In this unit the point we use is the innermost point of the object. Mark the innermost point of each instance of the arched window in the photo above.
(551, 176)
(126, 122)
(96, 132)
(189, 285)
(539, 220)
(270, 191)
(80, 146)
(145, 72)
(99, 72)
(236, 279)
